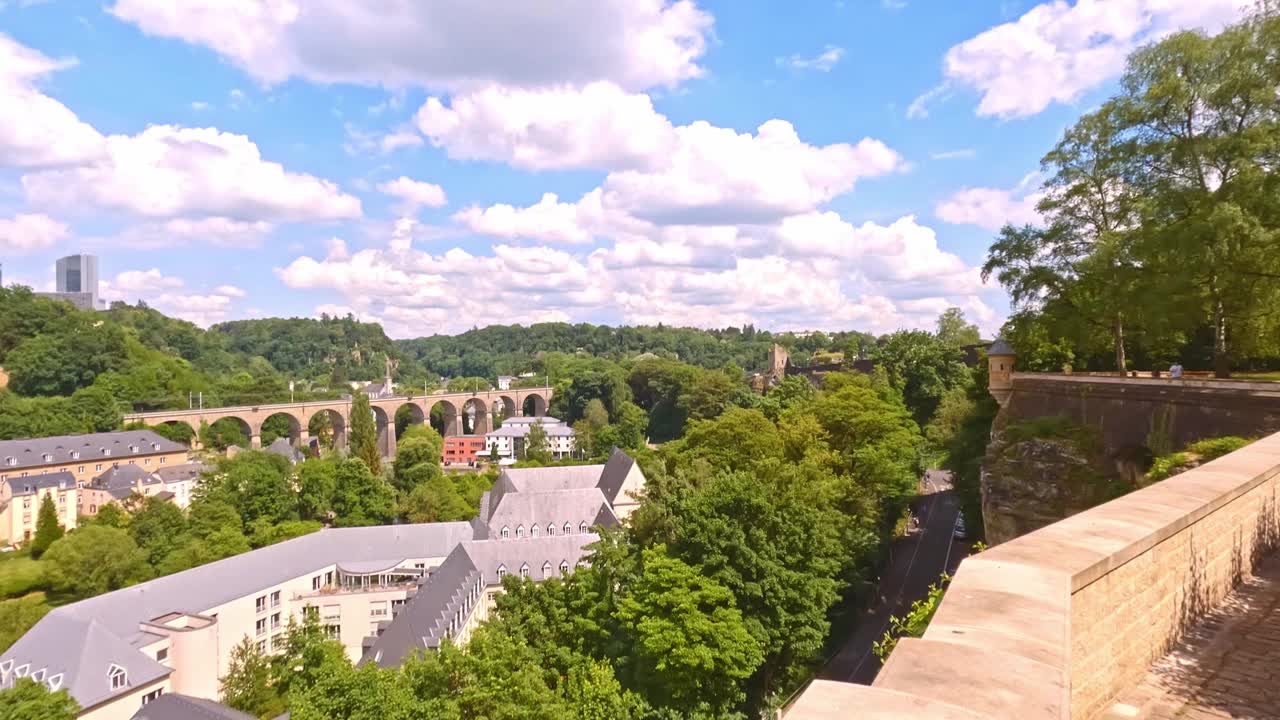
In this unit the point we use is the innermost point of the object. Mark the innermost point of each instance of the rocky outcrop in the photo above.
(1039, 471)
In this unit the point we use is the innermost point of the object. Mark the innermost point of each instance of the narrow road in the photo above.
(916, 562)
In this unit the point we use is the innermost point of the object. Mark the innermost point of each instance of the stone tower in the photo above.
(1000, 357)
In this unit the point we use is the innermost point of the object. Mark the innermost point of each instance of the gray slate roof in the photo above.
(282, 447)
(124, 476)
(30, 484)
(1000, 347)
(540, 508)
(185, 471)
(81, 640)
(556, 430)
(30, 452)
(175, 706)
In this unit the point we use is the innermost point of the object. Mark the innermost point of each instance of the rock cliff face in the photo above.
(1039, 471)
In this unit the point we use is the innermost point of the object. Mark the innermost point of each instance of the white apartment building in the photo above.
(20, 499)
(509, 440)
(381, 591)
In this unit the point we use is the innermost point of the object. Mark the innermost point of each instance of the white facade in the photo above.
(509, 440)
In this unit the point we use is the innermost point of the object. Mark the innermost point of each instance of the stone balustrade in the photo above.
(1057, 623)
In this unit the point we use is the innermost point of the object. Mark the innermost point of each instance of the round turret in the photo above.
(1000, 359)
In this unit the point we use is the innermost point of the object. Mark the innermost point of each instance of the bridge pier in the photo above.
(304, 438)
(255, 441)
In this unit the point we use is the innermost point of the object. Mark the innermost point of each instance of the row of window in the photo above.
(80, 469)
(567, 529)
(260, 605)
(460, 615)
(546, 570)
(75, 454)
(260, 626)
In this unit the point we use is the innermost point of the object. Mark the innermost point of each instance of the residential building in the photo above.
(88, 456)
(509, 440)
(284, 448)
(175, 706)
(117, 484)
(463, 449)
(393, 588)
(20, 499)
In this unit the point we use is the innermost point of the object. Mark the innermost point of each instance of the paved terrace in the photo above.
(1074, 621)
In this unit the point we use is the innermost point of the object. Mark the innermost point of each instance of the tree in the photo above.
(689, 641)
(99, 408)
(922, 367)
(94, 560)
(738, 439)
(435, 499)
(31, 700)
(222, 434)
(535, 444)
(421, 447)
(207, 517)
(257, 484)
(364, 434)
(18, 615)
(111, 515)
(317, 483)
(247, 686)
(586, 431)
(48, 529)
(361, 498)
(954, 331)
(158, 527)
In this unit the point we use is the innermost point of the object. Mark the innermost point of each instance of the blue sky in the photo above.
(815, 164)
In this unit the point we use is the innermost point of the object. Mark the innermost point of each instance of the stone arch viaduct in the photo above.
(479, 406)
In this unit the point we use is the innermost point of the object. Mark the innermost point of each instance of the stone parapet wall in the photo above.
(1056, 623)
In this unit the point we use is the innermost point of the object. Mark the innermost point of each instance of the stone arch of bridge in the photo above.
(505, 406)
(327, 428)
(407, 415)
(445, 418)
(475, 413)
(533, 404)
(385, 424)
(195, 431)
(292, 427)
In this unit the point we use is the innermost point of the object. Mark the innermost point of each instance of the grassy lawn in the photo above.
(1271, 376)
(19, 574)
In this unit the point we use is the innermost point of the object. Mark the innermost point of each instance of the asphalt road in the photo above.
(917, 561)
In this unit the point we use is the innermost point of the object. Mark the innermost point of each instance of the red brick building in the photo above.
(462, 449)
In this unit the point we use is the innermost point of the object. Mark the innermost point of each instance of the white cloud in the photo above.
(919, 108)
(168, 171)
(993, 208)
(448, 44)
(28, 232)
(960, 154)
(596, 126)
(822, 62)
(404, 137)
(549, 220)
(179, 232)
(199, 105)
(1057, 51)
(167, 294)
(36, 130)
(413, 194)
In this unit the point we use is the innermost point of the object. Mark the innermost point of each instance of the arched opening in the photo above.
(178, 431)
(445, 418)
(225, 432)
(475, 417)
(504, 407)
(406, 416)
(386, 432)
(281, 425)
(534, 405)
(328, 430)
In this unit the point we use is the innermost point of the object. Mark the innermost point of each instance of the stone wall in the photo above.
(1056, 623)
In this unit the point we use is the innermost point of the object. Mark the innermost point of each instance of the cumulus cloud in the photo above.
(1058, 50)
(413, 194)
(36, 130)
(450, 44)
(993, 208)
(549, 220)
(168, 171)
(168, 294)
(597, 126)
(28, 232)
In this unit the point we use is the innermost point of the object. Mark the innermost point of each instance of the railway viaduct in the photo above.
(480, 407)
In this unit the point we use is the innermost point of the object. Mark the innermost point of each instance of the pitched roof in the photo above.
(549, 479)
(30, 484)
(282, 447)
(122, 477)
(30, 452)
(183, 471)
(1000, 347)
(615, 473)
(175, 706)
(539, 508)
(61, 636)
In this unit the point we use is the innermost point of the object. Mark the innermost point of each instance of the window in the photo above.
(378, 609)
(533, 531)
(162, 461)
(564, 567)
(519, 531)
(546, 570)
(262, 646)
(315, 583)
(146, 461)
(506, 533)
(97, 467)
(275, 599)
(275, 621)
(151, 696)
(47, 457)
(75, 454)
(568, 529)
(119, 678)
(332, 631)
(583, 527)
(80, 469)
(524, 570)
(328, 578)
(62, 498)
(93, 509)
(311, 612)
(11, 461)
(260, 626)
(502, 571)
(162, 654)
(277, 641)
(551, 529)
(260, 605)
(26, 503)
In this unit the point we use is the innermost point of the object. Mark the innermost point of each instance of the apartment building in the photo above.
(509, 440)
(20, 499)
(87, 456)
(389, 589)
(175, 483)
(462, 449)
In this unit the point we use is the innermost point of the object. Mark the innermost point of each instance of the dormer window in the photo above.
(519, 531)
(502, 572)
(119, 678)
(106, 451)
(21, 670)
(133, 448)
(47, 457)
(583, 527)
(75, 454)
(524, 570)
(11, 461)
(551, 529)
(506, 532)
(155, 446)
(533, 531)
(568, 529)
(546, 569)
(564, 567)
(38, 675)
(55, 682)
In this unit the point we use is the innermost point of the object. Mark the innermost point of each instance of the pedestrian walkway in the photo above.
(1227, 666)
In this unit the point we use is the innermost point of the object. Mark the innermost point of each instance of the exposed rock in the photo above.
(1040, 471)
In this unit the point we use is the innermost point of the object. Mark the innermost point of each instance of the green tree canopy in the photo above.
(363, 436)
(94, 560)
(31, 700)
(48, 529)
